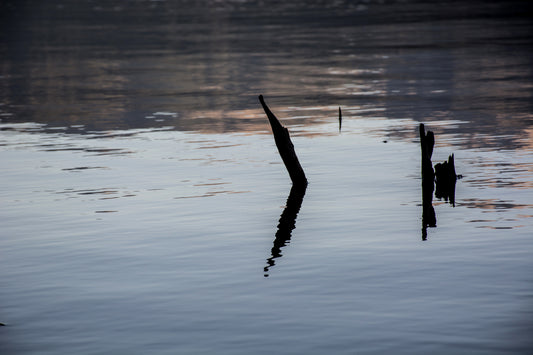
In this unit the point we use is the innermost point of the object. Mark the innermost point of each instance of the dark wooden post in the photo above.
(285, 147)
(427, 141)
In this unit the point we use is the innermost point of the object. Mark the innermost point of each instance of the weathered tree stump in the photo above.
(285, 147)
(445, 179)
(427, 141)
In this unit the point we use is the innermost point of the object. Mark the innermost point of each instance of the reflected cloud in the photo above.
(493, 208)
(287, 222)
(198, 68)
(493, 205)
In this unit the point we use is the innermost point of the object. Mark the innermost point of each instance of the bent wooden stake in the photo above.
(285, 147)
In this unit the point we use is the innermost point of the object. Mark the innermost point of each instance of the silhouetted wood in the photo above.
(287, 222)
(340, 119)
(427, 141)
(445, 180)
(441, 180)
(285, 147)
(429, 219)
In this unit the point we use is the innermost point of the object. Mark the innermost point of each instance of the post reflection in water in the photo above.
(443, 190)
(287, 222)
(429, 218)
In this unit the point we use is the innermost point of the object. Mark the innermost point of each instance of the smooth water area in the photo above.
(145, 208)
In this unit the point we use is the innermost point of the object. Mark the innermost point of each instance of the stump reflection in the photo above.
(287, 222)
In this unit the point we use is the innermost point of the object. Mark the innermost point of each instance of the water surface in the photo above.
(145, 208)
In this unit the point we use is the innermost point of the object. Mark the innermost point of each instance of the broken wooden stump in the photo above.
(445, 179)
(285, 147)
(427, 141)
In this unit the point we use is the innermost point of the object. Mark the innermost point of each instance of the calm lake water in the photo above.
(145, 208)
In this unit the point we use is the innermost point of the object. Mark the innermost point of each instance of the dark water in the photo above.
(145, 208)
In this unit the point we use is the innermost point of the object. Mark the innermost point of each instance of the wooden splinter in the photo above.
(285, 147)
